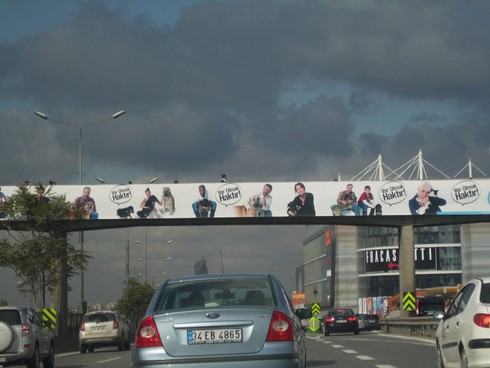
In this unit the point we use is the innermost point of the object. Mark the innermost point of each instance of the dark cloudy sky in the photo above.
(260, 90)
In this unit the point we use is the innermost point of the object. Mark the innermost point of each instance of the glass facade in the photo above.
(370, 255)
(318, 267)
(437, 259)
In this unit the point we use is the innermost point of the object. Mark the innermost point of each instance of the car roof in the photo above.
(17, 307)
(100, 312)
(220, 276)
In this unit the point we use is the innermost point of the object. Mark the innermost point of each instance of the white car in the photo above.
(103, 328)
(463, 334)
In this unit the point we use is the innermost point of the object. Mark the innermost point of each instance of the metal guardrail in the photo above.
(422, 327)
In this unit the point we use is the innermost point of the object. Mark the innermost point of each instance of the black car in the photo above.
(340, 320)
(368, 322)
(427, 305)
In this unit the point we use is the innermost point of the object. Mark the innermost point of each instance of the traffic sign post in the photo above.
(409, 302)
(315, 323)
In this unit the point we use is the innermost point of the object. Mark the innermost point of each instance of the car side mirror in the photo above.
(438, 315)
(303, 313)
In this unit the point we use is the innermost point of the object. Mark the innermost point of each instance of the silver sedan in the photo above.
(226, 320)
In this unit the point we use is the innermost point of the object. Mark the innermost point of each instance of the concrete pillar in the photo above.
(61, 293)
(407, 265)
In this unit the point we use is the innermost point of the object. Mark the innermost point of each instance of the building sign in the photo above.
(387, 259)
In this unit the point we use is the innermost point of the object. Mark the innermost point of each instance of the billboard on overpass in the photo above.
(251, 199)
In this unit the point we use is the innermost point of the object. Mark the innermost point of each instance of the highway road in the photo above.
(367, 350)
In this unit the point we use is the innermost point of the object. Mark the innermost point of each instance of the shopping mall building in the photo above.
(358, 267)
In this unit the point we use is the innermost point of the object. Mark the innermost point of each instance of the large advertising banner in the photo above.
(254, 199)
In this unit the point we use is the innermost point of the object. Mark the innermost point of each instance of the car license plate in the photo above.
(341, 321)
(214, 336)
(99, 328)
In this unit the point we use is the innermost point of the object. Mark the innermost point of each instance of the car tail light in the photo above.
(330, 319)
(115, 325)
(352, 318)
(147, 335)
(482, 320)
(280, 328)
(25, 329)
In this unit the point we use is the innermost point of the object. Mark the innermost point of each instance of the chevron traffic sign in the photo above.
(314, 323)
(409, 301)
(49, 316)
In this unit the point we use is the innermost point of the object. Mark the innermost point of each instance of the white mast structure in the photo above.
(470, 166)
(416, 168)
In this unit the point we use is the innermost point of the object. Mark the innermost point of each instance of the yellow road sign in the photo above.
(50, 315)
(409, 301)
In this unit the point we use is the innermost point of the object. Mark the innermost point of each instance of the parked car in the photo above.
(462, 337)
(220, 321)
(427, 305)
(103, 328)
(340, 320)
(368, 322)
(25, 338)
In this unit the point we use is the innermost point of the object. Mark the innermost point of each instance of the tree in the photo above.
(135, 300)
(37, 253)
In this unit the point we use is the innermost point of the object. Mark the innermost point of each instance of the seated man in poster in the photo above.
(203, 206)
(87, 203)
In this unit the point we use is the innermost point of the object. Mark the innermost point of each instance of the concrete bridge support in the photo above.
(407, 265)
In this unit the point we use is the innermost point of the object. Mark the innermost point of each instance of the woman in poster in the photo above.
(426, 201)
(303, 204)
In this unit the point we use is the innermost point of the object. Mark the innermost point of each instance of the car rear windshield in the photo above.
(216, 293)
(341, 312)
(11, 316)
(99, 317)
(485, 293)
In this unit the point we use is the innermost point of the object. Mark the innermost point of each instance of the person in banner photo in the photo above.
(426, 201)
(148, 204)
(203, 206)
(366, 201)
(265, 201)
(346, 201)
(3, 199)
(41, 199)
(88, 203)
(303, 204)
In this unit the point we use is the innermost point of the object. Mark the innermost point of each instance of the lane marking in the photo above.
(108, 360)
(338, 346)
(385, 366)
(364, 357)
(350, 351)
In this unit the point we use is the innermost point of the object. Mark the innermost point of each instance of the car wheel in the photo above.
(127, 345)
(48, 362)
(439, 362)
(83, 349)
(121, 344)
(6, 336)
(464, 358)
(356, 332)
(34, 361)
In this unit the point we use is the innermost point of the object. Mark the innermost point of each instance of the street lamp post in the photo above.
(80, 177)
(127, 240)
(80, 127)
